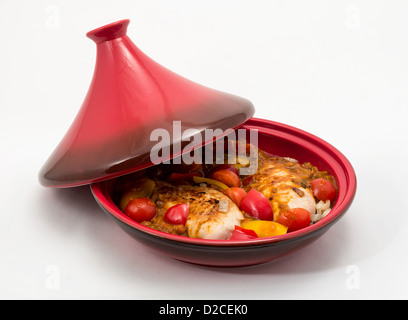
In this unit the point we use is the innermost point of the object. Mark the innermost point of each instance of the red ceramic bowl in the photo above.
(275, 138)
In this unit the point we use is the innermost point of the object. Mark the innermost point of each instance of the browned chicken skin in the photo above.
(285, 182)
(212, 215)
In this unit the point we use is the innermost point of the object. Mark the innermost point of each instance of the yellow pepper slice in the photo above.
(210, 181)
(265, 228)
(143, 189)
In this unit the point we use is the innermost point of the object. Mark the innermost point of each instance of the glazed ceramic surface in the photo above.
(131, 95)
(274, 138)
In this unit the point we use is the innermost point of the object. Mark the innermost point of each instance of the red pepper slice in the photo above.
(182, 178)
(243, 234)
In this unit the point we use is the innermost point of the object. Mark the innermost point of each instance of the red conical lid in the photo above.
(129, 97)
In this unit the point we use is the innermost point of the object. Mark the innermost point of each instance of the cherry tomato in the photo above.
(227, 167)
(236, 195)
(323, 189)
(257, 206)
(295, 219)
(243, 234)
(177, 214)
(142, 188)
(227, 177)
(141, 209)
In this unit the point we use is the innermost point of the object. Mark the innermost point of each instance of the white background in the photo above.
(337, 69)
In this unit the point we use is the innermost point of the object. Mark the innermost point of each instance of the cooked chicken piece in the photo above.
(285, 182)
(293, 199)
(212, 215)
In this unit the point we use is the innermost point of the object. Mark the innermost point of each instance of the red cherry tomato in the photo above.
(243, 234)
(177, 214)
(295, 219)
(227, 177)
(236, 195)
(140, 209)
(257, 206)
(227, 167)
(323, 189)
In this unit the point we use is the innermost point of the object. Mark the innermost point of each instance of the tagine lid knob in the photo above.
(130, 101)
